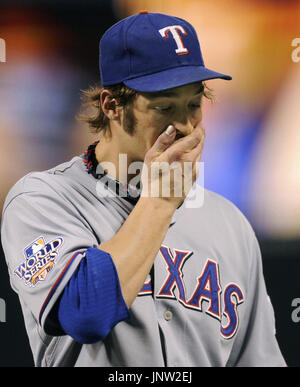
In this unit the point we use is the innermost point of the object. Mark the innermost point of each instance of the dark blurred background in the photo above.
(252, 151)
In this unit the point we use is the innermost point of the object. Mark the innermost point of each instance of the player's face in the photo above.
(154, 112)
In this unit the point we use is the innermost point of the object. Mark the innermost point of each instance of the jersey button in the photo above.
(168, 315)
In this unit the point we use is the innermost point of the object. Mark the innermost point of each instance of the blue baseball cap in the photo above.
(151, 52)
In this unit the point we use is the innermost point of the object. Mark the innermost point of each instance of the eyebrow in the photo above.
(171, 94)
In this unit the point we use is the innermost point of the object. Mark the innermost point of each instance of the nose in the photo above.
(183, 129)
(185, 120)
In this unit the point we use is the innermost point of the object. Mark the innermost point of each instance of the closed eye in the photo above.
(163, 109)
(167, 109)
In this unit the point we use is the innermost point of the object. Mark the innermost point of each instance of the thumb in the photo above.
(164, 140)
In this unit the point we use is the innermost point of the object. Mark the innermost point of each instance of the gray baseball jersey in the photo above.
(205, 305)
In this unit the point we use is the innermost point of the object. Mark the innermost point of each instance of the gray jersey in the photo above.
(205, 304)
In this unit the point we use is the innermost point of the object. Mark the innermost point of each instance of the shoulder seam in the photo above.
(71, 163)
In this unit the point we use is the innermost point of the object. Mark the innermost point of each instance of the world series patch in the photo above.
(39, 260)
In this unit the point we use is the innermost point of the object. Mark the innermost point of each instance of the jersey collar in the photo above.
(92, 166)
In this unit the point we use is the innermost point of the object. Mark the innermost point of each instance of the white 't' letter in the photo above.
(181, 50)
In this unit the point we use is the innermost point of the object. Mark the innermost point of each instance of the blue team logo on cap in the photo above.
(40, 259)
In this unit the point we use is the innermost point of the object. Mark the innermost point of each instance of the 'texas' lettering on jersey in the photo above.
(207, 288)
(40, 259)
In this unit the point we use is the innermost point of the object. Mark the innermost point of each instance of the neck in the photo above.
(114, 157)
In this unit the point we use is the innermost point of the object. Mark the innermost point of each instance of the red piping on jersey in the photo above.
(54, 287)
(89, 158)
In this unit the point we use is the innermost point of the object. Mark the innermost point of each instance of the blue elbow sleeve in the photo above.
(92, 302)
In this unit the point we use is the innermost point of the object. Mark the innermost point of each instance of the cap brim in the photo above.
(171, 78)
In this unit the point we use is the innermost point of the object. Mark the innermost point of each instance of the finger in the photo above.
(174, 154)
(189, 142)
(197, 157)
(195, 154)
(164, 140)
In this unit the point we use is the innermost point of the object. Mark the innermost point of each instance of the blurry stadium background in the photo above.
(252, 151)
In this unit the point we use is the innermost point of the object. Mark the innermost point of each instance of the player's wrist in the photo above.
(168, 207)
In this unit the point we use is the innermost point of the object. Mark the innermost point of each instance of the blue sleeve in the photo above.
(92, 302)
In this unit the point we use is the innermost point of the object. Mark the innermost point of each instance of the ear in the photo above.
(109, 105)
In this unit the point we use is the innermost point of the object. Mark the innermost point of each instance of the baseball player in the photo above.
(108, 273)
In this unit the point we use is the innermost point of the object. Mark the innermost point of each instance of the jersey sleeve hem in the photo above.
(55, 292)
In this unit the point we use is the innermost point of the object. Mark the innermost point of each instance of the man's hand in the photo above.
(171, 167)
